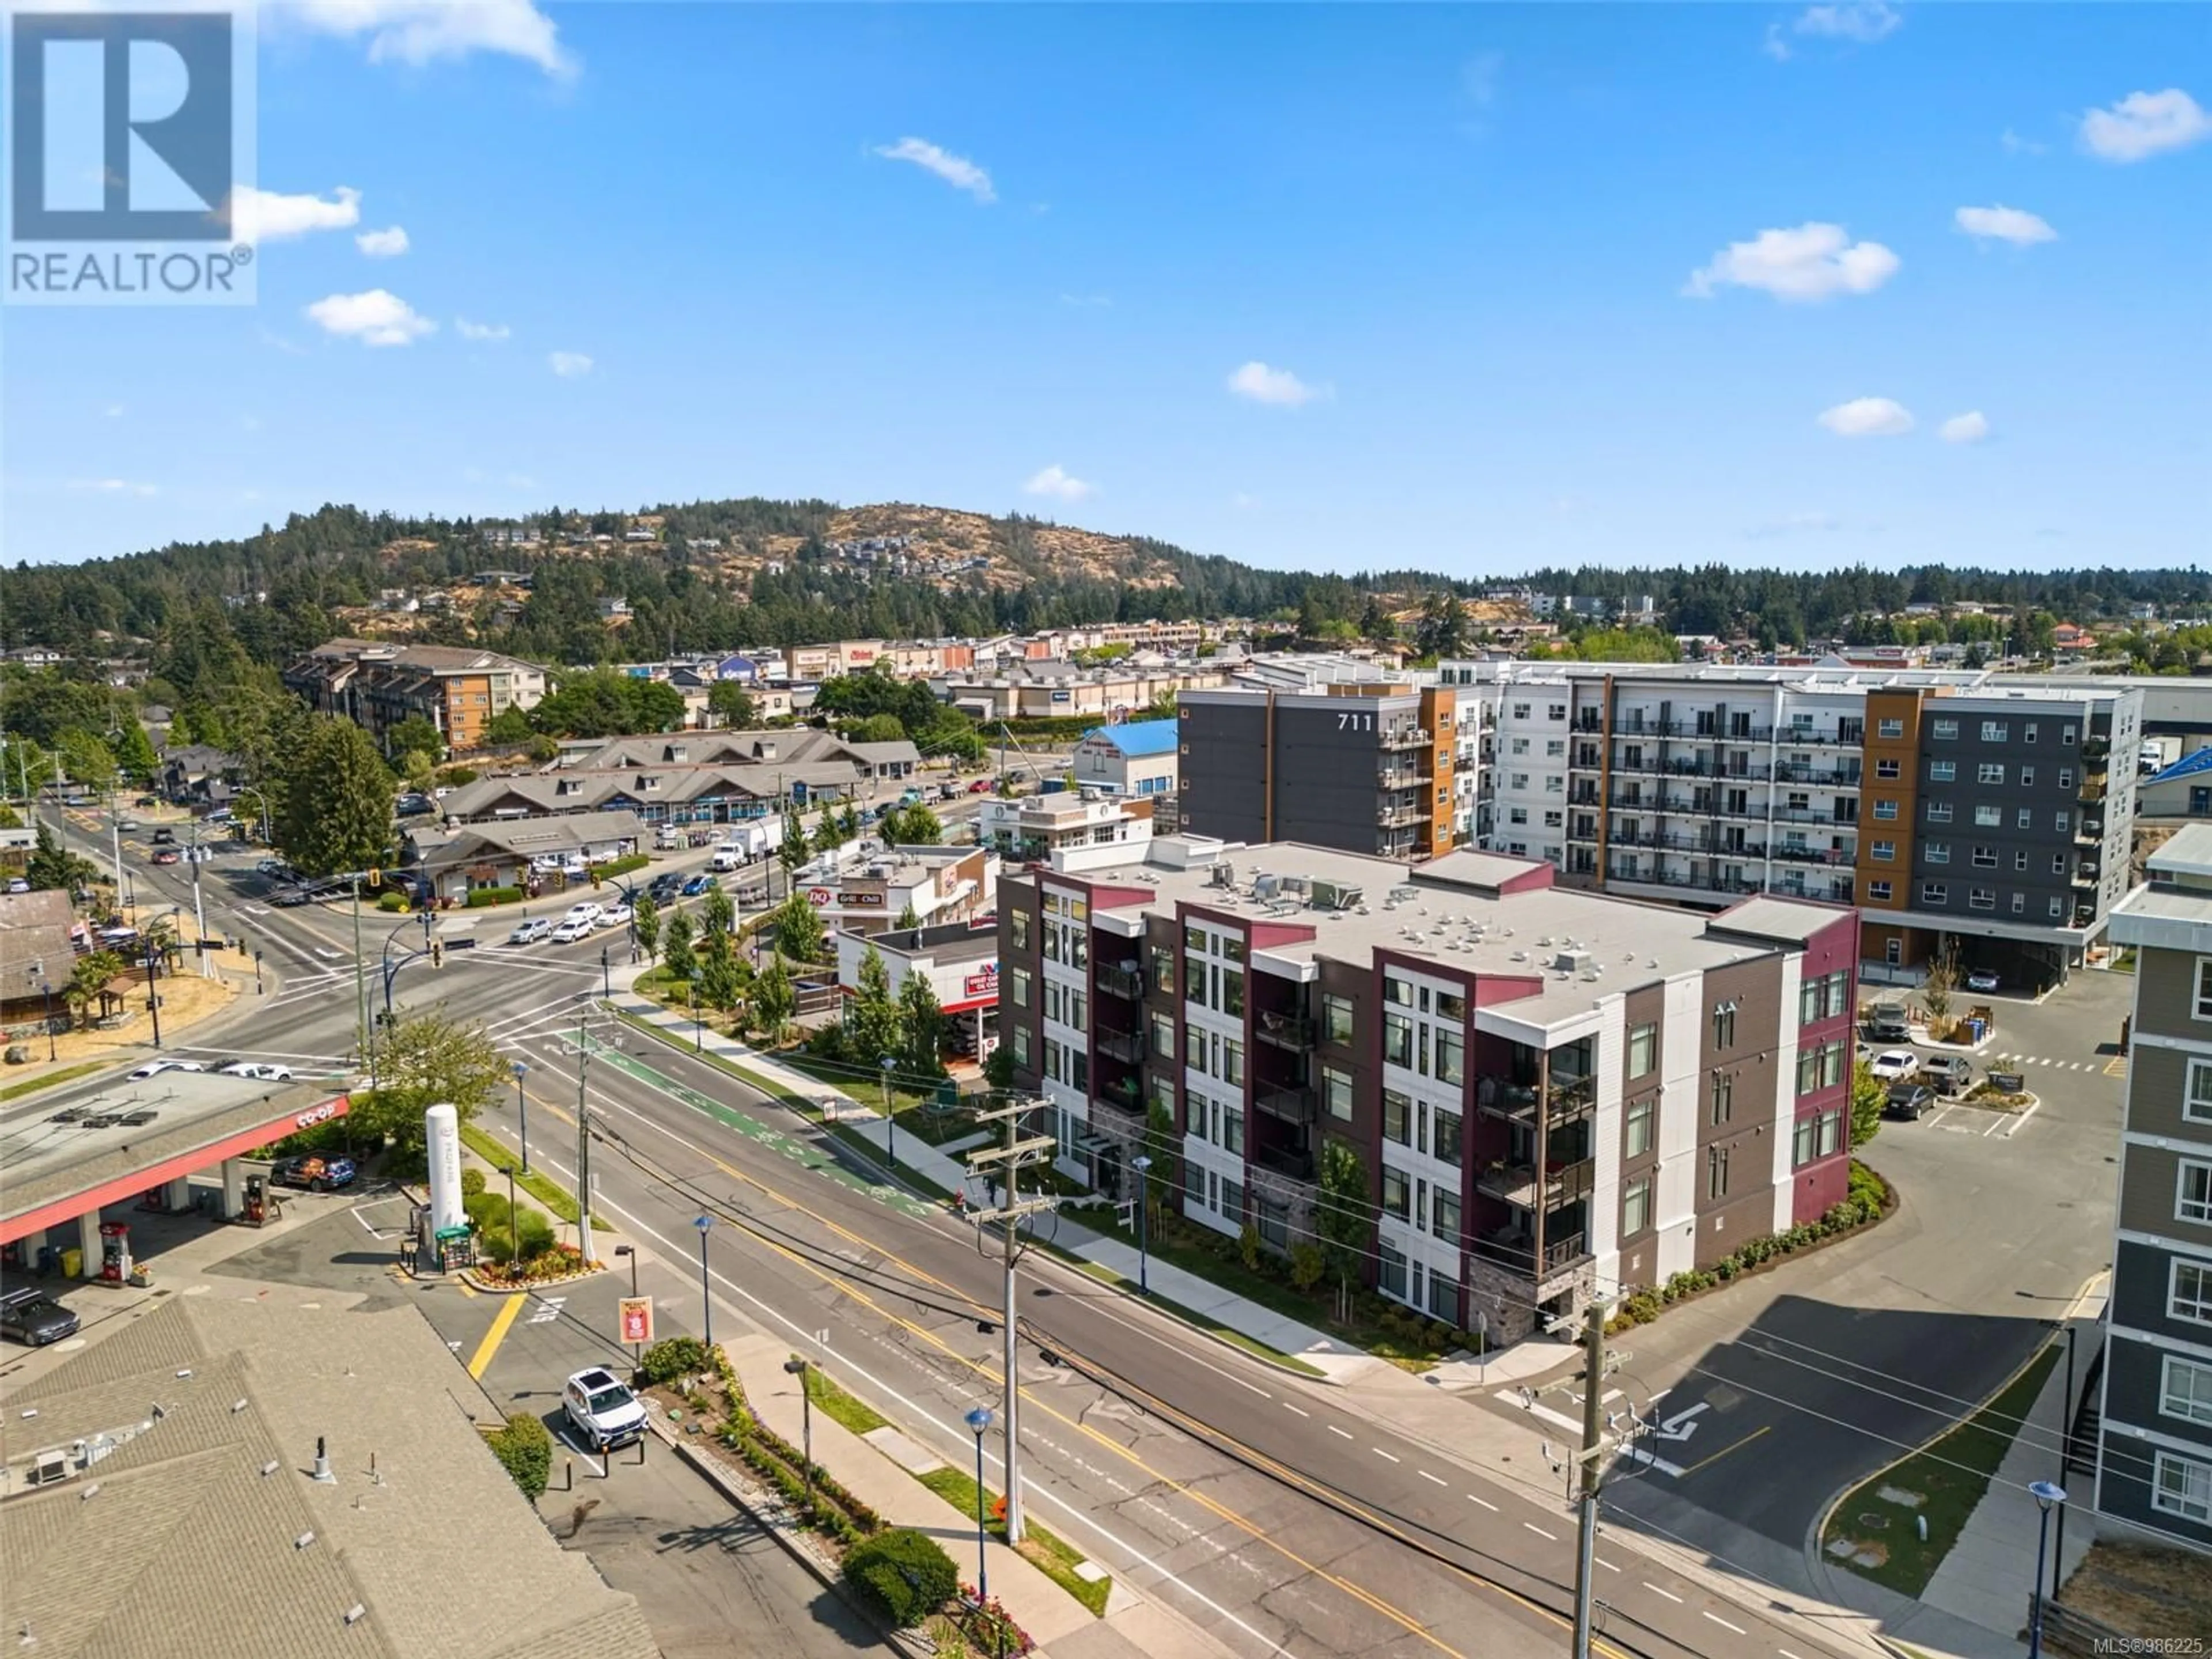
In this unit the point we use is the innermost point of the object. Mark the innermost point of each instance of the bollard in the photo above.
(607, 1463)
(567, 1474)
(641, 1450)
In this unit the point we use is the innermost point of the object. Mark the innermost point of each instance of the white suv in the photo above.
(604, 1412)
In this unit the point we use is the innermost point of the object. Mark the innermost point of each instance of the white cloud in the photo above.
(568, 365)
(1056, 481)
(2004, 224)
(2144, 123)
(1968, 428)
(115, 486)
(419, 32)
(1868, 418)
(468, 330)
(1774, 45)
(114, 411)
(1478, 78)
(955, 170)
(2016, 145)
(382, 244)
(1813, 262)
(263, 215)
(1264, 384)
(377, 318)
(1863, 21)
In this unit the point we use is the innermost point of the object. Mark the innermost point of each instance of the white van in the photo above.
(670, 840)
(726, 857)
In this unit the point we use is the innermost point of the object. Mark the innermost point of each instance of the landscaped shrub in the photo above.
(530, 1234)
(392, 901)
(483, 1209)
(674, 1357)
(1248, 1247)
(525, 1447)
(472, 1182)
(906, 1573)
(1307, 1265)
(623, 866)
(481, 896)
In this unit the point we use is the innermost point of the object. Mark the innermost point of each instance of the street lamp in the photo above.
(796, 1367)
(2048, 1496)
(705, 1223)
(606, 975)
(522, 1111)
(513, 1225)
(979, 1425)
(890, 1118)
(637, 1349)
(1141, 1164)
(698, 1030)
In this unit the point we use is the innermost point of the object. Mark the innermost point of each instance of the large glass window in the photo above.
(1398, 1040)
(1336, 1018)
(1643, 1051)
(1446, 1146)
(1397, 1193)
(1443, 1215)
(1397, 1117)
(2182, 1486)
(2185, 1389)
(1336, 1092)
(1637, 1131)
(1636, 1207)
(2189, 1292)
(2192, 1194)
(1451, 1057)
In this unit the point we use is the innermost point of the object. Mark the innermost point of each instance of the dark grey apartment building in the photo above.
(2154, 1449)
(1363, 768)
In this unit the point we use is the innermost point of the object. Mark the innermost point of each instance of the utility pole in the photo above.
(1592, 1452)
(1017, 1151)
(583, 1140)
(199, 910)
(361, 981)
(115, 839)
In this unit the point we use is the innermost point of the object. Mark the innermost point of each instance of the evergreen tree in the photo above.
(716, 913)
(921, 1025)
(792, 850)
(676, 946)
(828, 831)
(335, 811)
(134, 753)
(645, 918)
(53, 868)
(718, 972)
(872, 1017)
(776, 999)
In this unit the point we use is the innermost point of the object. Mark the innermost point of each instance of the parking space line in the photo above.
(1723, 1623)
(1668, 1594)
(1539, 1532)
(1425, 1475)
(1485, 1502)
(480, 1362)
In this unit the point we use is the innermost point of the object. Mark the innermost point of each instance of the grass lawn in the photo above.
(1106, 1275)
(1948, 1477)
(32, 1085)
(839, 1406)
(1046, 1550)
(548, 1193)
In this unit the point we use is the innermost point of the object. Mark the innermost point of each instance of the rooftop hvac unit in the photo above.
(1267, 887)
(1574, 961)
(1224, 875)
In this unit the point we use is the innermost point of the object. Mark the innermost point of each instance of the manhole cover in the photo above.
(1873, 1523)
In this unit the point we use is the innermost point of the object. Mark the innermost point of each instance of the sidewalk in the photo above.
(1132, 1629)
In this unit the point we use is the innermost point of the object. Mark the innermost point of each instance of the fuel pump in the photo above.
(114, 1252)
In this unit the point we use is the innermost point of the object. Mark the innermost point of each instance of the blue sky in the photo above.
(1468, 289)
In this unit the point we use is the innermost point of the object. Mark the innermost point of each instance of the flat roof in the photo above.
(1436, 911)
(58, 1171)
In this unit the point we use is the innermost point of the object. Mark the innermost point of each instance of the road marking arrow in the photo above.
(1681, 1425)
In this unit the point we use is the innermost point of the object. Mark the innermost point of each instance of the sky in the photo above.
(1466, 289)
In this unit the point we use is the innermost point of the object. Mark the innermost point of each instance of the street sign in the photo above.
(636, 1318)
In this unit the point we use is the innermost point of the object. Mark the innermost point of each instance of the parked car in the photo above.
(584, 910)
(530, 932)
(1948, 1074)
(317, 1175)
(613, 915)
(1888, 1022)
(220, 815)
(755, 895)
(29, 1316)
(1907, 1101)
(1983, 980)
(697, 885)
(17, 885)
(264, 1071)
(981, 786)
(164, 838)
(146, 800)
(1893, 1064)
(571, 930)
(603, 1412)
(155, 1067)
(664, 888)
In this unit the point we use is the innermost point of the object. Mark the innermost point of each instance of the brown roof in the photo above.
(35, 942)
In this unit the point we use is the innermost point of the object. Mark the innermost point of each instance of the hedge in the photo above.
(393, 901)
(906, 1573)
(525, 1446)
(481, 896)
(623, 866)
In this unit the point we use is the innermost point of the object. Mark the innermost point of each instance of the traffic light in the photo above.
(437, 953)
(595, 875)
(376, 879)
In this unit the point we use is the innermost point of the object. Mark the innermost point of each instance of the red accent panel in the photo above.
(1279, 932)
(132, 1186)
(1533, 880)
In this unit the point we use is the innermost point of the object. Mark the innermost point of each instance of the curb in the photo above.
(709, 1469)
(493, 1287)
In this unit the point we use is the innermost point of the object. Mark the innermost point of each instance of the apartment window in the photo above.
(1021, 1045)
(1397, 1193)
(1018, 923)
(2019, 860)
(1989, 818)
(1824, 997)
(1637, 1134)
(1520, 711)
(1232, 1130)
(1021, 983)
(2028, 732)
(1555, 784)
(1517, 815)
(1878, 892)
(1636, 1207)
(1945, 731)
(1232, 992)
(1942, 771)
(1990, 772)
(2065, 777)
(1164, 1036)
(2184, 1389)
(1520, 745)
(1336, 1018)
(1888, 768)
(1717, 1173)
(2027, 773)
(1934, 892)
(1557, 711)
(1397, 1117)
(2197, 1093)
(1520, 779)
(1985, 858)
(1821, 1068)
(2182, 1486)
(1939, 812)
(1643, 1051)
(2057, 909)
(1937, 852)
(1555, 748)
(1722, 1097)
(2062, 821)
(1982, 898)
(1725, 1025)
(2204, 988)
(1806, 1138)
(2189, 1291)
(2058, 864)
(1443, 1215)
(1163, 974)
(1889, 728)
(1336, 1092)
(1232, 1062)
(1398, 1040)
(1553, 818)
(2024, 818)
(2019, 904)
(1398, 992)
(2066, 736)
(1451, 1057)
(1446, 1146)
(1996, 732)
(2192, 1192)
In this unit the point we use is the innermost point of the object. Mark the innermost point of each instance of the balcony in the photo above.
(1563, 1182)
(1516, 1250)
(1401, 817)
(1128, 1047)
(2093, 787)
(1286, 1161)
(1794, 854)
(1292, 1031)
(2096, 749)
(1291, 1105)
(2084, 915)
(1406, 737)
(2090, 833)
(1122, 979)
(1823, 777)
(2085, 873)
(1400, 777)
(1123, 1093)
(1584, 794)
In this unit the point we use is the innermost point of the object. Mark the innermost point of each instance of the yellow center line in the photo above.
(481, 1360)
(1725, 1451)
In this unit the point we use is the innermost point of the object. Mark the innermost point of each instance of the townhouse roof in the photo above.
(202, 1513)
(35, 934)
(533, 837)
(1138, 739)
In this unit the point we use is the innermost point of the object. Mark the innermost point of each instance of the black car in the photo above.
(664, 888)
(1908, 1101)
(29, 1316)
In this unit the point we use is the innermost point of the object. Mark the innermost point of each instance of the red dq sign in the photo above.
(636, 1318)
(820, 896)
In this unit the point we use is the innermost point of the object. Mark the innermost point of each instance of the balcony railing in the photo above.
(1517, 1251)
(1292, 1032)
(1292, 1105)
(1562, 1184)
(1122, 1092)
(1284, 1161)
(1406, 737)
(1583, 795)
(1400, 817)
(1807, 737)
(2091, 833)
(2085, 874)
(2093, 787)
(1400, 777)
(1826, 777)
(2095, 749)
(1122, 979)
(2084, 915)
(1128, 1047)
